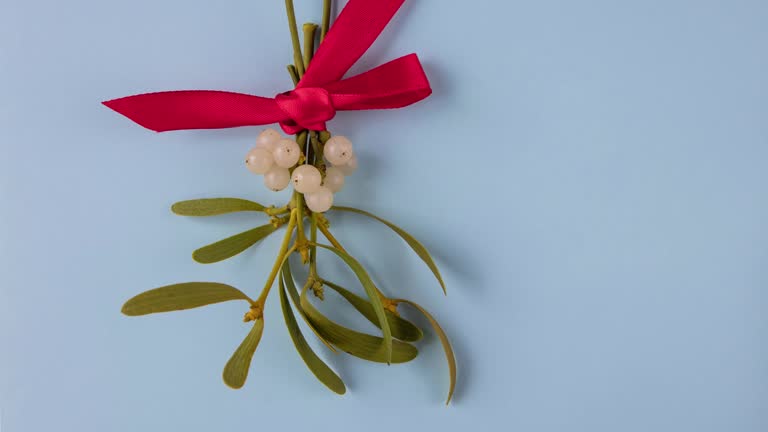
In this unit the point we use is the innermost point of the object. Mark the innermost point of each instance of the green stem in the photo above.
(277, 211)
(327, 233)
(301, 237)
(294, 74)
(297, 60)
(301, 140)
(280, 259)
(335, 243)
(313, 248)
(309, 42)
(317, 148)
(326, 18)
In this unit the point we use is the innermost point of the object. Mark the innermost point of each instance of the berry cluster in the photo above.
(277, 158)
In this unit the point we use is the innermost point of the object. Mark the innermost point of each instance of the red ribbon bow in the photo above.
(320, 93)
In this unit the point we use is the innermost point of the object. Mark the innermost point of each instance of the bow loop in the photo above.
(306, 108)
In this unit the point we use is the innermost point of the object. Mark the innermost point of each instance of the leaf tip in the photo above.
(200, 258)
(128, 310)
(340, 390)
(450, 394)
(233, 385)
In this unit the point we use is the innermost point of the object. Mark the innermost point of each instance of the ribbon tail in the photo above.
(354, 31)
(396, 84)
(197, 109)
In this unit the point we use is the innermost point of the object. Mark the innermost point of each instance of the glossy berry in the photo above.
(259, 160)
(349, 167)
(286, 153)
(277, 178)
(334, 179)
(320, 200)
(268, 139)
(338, 150)
(306, 179)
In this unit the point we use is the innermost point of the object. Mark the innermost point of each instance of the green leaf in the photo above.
(373, 295)
(181, 296)
(417, 247)
(364, 346)
(231, 246)
(236, 370)
(214, 206)
(446, 346)
(291, 287)
(401, 328)
(314, 363)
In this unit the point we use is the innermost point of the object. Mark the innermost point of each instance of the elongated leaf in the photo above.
(291, 287)
(236, 370)
(314, 363)
(364, 346)
(373, 295)
(401, 328)
(214, 206)
(417, 247)
(446, 346)
(232, 246)
(181, 296)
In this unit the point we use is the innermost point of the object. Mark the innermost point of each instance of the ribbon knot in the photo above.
(306, 108)
(317, 97)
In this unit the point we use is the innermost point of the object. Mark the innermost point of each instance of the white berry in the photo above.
(277, 178)
(286, 153)
(306, 178)
(320, 200)
(259, 160)
(349, 167)
(268, 139)
(338, 150)
(334, 179)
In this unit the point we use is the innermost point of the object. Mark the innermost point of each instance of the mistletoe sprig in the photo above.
(316, 163)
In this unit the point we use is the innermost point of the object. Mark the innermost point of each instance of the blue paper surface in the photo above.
(590, 177)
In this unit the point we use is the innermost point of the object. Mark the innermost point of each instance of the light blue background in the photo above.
(590, 176)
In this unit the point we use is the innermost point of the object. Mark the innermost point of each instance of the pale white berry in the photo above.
(259, 160)
(286, 153)
(334, 179)
(268, 139)
(349, 167)
(306, 178)
(338, 150)
(320, 200)
(277, 178)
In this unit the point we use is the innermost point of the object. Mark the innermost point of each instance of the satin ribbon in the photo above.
(315, 100)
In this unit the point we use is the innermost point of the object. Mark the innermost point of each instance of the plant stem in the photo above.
(310, 30)
(317, 147)
(327, 233)
(335, 243)
(276, 211)
(297, 60)
(301, 239)
(301, 140)
(281, 255)
(313, 248)
(326, 18)
(317, 154)
(294, 74)
(309, 42)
